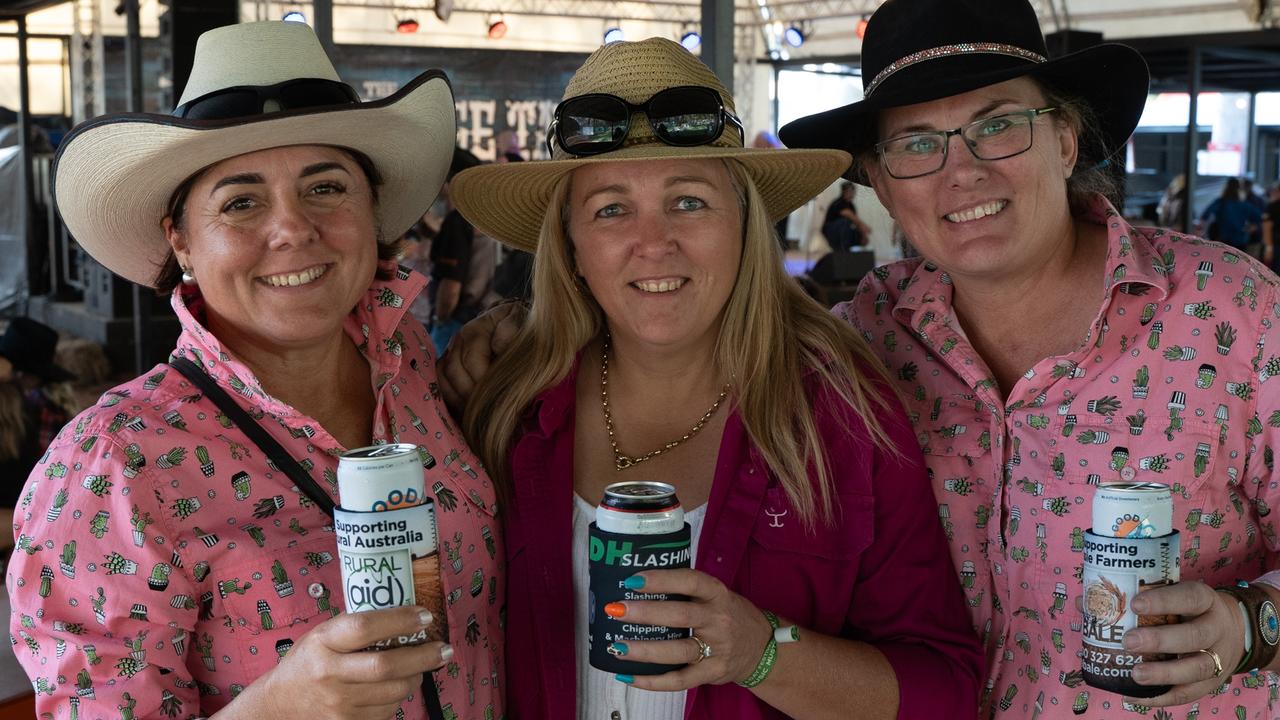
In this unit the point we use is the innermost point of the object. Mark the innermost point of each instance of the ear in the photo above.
(1068, 146)
(176, 240)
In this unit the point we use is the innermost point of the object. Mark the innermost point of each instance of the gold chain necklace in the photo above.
(620, 461)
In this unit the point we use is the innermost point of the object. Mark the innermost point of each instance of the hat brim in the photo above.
(114, 175)
(1111, 77)
(508, 201)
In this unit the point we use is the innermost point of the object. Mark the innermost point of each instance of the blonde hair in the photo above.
(772, 335)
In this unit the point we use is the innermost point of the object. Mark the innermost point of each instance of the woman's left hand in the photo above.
(735, 630)
(1210, 621)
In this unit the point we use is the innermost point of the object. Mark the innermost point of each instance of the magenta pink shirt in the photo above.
(880, 574)
(1175, 383)
(163, 565)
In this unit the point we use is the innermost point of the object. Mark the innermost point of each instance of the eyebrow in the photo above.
(978, 114)
(670, 182)
(257, 179)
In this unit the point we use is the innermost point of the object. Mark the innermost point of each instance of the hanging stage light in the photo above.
(794, 36)
(498, 28)
(861, 28)
(294, 16)
(691, 41)
(407, 26)
(613, 35)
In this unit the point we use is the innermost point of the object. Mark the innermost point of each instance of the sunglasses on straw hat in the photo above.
(596, 123)
(248, 100)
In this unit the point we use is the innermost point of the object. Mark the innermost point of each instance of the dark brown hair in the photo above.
(170, 274)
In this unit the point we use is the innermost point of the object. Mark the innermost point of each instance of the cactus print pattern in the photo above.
(165, 564)
(1173, 384)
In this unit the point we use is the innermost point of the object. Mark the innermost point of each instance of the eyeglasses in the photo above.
(598, 123)
(248, 100)
(991, 138)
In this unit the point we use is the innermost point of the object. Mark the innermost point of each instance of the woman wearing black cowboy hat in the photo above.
(179, 555)
(1044, 346)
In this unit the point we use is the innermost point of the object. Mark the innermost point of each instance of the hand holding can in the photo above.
(387, 537)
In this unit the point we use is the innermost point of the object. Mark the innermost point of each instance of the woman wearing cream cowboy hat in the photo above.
(180, 556)
(665, 342)
(1060, 339)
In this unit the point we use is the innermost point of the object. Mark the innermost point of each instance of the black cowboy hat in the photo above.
(30, 346)
(915, 51)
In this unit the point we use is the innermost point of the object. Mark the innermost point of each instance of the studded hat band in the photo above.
(950, 51)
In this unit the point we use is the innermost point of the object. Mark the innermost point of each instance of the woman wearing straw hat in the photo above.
(1044, 346)
(665, 342)
(178, 551)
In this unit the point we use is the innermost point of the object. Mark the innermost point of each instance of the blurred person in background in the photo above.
(1231, 220)
(463, 263)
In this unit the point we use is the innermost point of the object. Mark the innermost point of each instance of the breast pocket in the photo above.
(274, 600)
(1180, 453)
(808, 573)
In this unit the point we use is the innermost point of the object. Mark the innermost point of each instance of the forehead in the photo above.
(949, 112)
(289, 159)
(638, 174)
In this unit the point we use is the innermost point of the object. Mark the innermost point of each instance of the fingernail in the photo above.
(446, 653)
(618, 649)
(1132, 641)
(1139, 674)
(635, 582)
(624, 679)
(615, 609)
(1139, 605)
(424, 618)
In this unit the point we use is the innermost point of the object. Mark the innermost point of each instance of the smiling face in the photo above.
(987, 219)
(282, 243)
(658, 243)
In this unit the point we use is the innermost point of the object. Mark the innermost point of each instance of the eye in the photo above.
(688, 203)
(237, 204)
(920, 144)
(993, 126)
(610, 210)
(328, 187)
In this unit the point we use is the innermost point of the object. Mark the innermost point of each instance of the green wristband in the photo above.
(768, 659)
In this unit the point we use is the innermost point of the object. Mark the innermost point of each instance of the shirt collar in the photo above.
(372, 325)
(1132, 259)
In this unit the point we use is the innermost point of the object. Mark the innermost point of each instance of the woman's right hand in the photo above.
(329, 674)
(473, 349)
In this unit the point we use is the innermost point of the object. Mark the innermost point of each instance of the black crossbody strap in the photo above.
(254, 431)
(290, 467)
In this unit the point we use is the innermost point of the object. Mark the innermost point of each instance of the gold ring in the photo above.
(704, 650)
(1217, 661)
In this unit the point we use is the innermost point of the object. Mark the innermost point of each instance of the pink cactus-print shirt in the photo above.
(1175, 383)
(163, 565)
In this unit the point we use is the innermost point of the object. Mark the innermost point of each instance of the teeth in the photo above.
(977, 213)
(658, 286)
(296, 279)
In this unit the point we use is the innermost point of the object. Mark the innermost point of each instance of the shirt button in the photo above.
(1128, 473)
(315, 590)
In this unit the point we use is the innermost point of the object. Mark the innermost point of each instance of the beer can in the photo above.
(387, 539)
(639, 526)
(1131, 547)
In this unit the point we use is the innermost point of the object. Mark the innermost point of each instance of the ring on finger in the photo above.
(1217, 661)
(704, 650)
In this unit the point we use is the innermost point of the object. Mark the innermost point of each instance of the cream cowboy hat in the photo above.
(253, 86)
(508, 201)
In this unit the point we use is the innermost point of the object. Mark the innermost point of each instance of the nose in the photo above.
(963, 166)
(290, 224)
(657, 234)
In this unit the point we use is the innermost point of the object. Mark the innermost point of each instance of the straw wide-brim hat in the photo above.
(916, 51)
(114, 175)
(508, 201)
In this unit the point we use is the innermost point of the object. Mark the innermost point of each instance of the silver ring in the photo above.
(1217, 661)
(704, 650)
